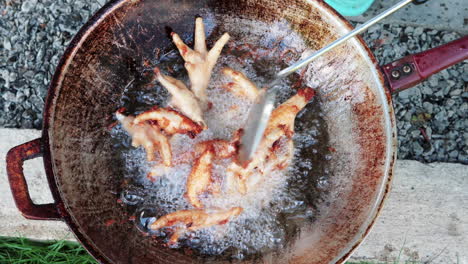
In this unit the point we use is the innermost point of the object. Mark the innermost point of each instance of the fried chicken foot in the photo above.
(200, 62)
(237, 175)
(279, 159)
(170, 121)
(285, 114)
(220, 149)
(199, 179)
(241, 85)
(192, 220)
(182, 98)
(280, 125)
(148, 136)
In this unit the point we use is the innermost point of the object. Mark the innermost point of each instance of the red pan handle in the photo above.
(413, 69)
(19, 188)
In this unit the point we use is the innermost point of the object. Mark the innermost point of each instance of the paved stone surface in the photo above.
(425, 217)
(449, 15)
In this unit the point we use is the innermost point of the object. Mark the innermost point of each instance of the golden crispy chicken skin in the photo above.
(192, 220)
(170, 121)
(223, 149)
(199, 62)
(148, 136)
(199, 179)
(240, 86)
(181, 97)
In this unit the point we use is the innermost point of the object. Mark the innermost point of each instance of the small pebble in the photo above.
(6, 44)
(429, 107)
(445, 74)
(433, 81)
(417, 148)
(409, 30)
(415, 133)
(426, 90)
(465, 76)
(456, 92)
(418, 31)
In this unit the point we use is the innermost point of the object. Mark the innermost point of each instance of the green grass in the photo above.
(21, 250)
(25, 251)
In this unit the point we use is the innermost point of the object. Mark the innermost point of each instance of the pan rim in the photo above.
(49, 109)
(390, 132)
(106, 10)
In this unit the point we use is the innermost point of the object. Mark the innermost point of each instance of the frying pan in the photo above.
(352, 164)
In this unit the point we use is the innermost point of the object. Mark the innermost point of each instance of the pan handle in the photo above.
(19, 188)
(413, 69)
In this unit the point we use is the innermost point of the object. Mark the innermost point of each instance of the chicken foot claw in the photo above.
(199, 62)
(182, 98)
(170, 121)
(241, 85)
(148, 136)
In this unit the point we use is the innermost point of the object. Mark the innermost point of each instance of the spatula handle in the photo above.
(358, 30)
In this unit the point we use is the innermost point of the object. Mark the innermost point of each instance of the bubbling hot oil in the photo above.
(272, 214)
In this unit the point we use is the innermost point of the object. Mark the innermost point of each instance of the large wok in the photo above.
(357, 150)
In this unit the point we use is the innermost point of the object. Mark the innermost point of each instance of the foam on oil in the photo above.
(274, 212)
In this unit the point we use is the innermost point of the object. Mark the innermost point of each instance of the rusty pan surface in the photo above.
(107, 56)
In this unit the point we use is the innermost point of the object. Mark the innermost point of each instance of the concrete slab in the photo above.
(12, 223)
(425, 218)
(451, 15)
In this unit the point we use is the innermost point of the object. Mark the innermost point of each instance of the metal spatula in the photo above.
(261, 111)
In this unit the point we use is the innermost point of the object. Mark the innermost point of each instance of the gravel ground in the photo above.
(431, 118)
